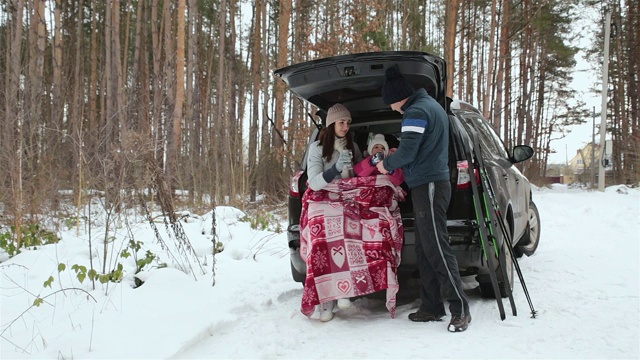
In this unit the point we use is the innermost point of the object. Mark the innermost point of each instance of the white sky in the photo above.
(584, 78)
(583, 281)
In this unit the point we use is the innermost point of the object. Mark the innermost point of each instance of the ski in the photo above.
(491, 221)
(499, 219)
(485, 238)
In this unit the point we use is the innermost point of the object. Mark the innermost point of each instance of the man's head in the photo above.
(396, 88)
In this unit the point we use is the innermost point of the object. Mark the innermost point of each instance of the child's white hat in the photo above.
(378, 139)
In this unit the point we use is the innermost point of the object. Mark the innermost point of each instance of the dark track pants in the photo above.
(437, 263)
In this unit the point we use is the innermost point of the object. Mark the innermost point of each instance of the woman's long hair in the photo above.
(327, 141)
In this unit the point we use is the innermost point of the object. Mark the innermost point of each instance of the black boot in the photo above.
(425, 316)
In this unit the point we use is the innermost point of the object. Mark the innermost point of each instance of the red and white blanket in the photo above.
(351, 237)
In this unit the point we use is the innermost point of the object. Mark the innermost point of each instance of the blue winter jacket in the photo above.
(423, 153)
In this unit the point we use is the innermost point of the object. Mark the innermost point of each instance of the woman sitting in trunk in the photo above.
(350, 227)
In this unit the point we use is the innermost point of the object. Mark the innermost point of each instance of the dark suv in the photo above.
(355, 81)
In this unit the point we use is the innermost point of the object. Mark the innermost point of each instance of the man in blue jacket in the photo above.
(423, 155)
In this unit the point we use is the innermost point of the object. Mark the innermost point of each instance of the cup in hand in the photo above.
(377, 157)
(345, 159)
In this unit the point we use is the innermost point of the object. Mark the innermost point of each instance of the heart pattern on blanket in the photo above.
(315, 229)
(338, 255)
(373, 254)
(372, 231)
(344, 286)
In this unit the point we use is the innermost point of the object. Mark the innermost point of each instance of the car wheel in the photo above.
(528, 243)
(297, 276)
(484, 280)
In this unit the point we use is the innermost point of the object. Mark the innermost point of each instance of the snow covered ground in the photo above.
(583, 281)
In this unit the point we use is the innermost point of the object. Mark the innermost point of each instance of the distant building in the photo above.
(579, 168)
(554, 174)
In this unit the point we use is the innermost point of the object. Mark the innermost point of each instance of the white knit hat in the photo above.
(378, 139)
(337, 112)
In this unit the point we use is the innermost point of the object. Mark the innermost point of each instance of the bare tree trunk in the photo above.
(222, 159)
(283, 55)
(12, 132)
(108, 73)
(298, 116)
(471, 51)
(140, 75)
(462, 59)
(507, 101)
(235, 150)
(208, 114)
(176, 129)
(265, 138)
(631, 78)
(486, 99)
(56, 98)
(117, 80)
(158, 94)
(529, 109)
(503, 45)
(34, 119)
(125, 54)
(256, 81)
(92, 116)
(192, 103)
(480, 91)
(170, 86)
(76, 113)
(451, 21)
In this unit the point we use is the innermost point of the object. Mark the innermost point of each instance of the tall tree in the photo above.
(12, 132)
(222, 159)
(450, 27)
(283, 55)
(192, 102)
(489, 80)
(176, 128)
(256, 82)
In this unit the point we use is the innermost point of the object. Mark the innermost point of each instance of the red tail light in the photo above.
(294, 188)
(464, 178)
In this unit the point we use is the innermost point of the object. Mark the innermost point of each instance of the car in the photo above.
(355, 80)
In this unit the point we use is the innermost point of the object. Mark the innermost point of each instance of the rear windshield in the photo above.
(389, 128)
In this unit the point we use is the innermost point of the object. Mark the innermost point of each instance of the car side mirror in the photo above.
(521, 153)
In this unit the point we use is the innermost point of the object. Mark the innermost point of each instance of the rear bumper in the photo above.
(464, 241)
(293, 237)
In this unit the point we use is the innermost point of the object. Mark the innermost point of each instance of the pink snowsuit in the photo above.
(364, 168)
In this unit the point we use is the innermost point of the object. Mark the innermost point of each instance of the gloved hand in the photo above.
(344, 159)
(376, 158)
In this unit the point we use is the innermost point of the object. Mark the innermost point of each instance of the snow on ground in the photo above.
(583, 281)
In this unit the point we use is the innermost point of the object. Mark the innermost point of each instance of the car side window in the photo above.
(499, 145)
(501, 148)
(489, 140)
(486, 142)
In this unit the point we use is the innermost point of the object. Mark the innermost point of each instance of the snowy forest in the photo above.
(138, 99)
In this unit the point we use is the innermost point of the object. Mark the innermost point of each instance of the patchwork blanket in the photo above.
(351, 237)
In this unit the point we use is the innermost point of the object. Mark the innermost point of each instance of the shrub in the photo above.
(32, 237)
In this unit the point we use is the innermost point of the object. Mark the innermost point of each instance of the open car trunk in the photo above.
(356, 80)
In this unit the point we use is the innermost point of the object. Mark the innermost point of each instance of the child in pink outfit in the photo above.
(367, 167)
